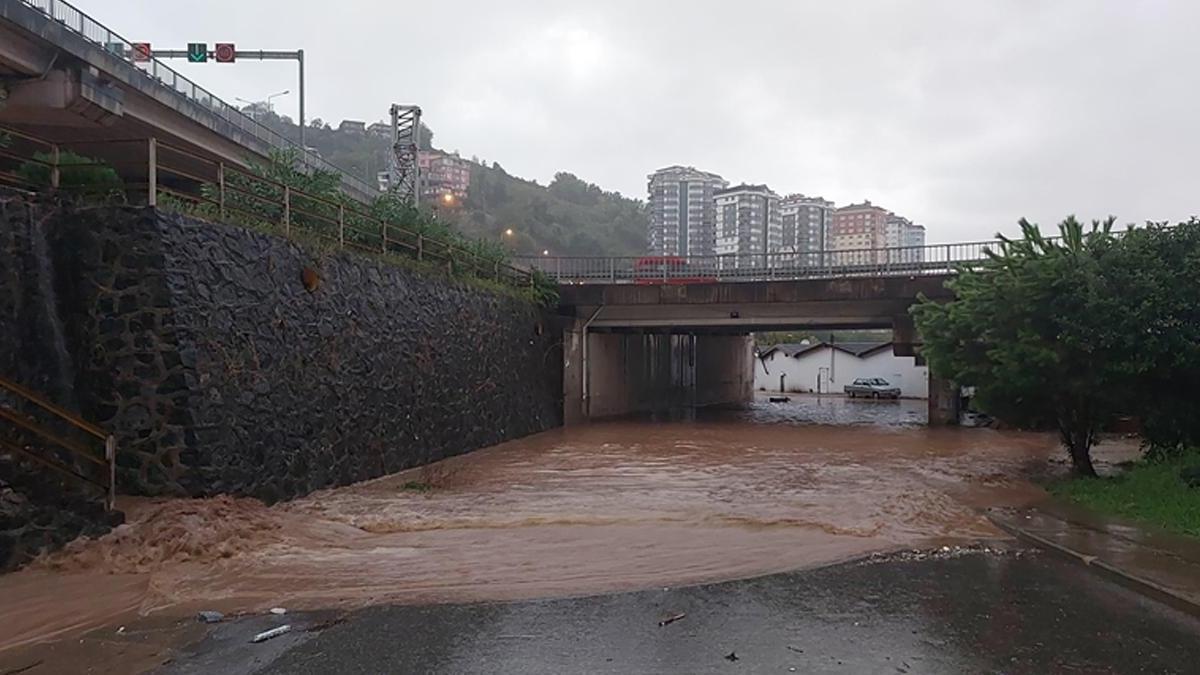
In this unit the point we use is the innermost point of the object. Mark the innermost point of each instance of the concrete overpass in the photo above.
(68, 79)
(636, 342)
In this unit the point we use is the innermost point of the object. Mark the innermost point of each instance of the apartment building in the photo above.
(681, 207)
(443, 175)
(804, 227)
(748, 225)
(903, 240)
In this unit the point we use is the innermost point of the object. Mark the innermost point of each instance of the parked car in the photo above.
(872, 387)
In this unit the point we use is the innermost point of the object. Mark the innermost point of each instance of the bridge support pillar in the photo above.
(905, 341)
(943, 402)
(573, 399)
(724, 369)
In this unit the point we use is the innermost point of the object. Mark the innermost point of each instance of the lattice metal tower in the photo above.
(405, 172)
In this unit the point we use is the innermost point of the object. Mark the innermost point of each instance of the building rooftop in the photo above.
(686, 169)
(865, 205)
(744, 187)
(859, 349)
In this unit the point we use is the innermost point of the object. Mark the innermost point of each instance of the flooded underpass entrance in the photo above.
(604, 507)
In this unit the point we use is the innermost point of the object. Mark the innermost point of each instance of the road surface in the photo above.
(991, 609)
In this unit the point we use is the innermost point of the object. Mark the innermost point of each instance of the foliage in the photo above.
(826, 337)
(1154, 282)
(1029, 329)
(1150, 491)
(316, 206)
(1072, 333)
(78, 175)
(545, 290)
(568, 217)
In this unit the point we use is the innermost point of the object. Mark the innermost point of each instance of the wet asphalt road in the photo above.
(1016, 611)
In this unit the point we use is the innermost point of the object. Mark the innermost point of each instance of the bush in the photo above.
(78, 175)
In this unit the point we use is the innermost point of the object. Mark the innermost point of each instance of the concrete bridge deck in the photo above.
(67, 78)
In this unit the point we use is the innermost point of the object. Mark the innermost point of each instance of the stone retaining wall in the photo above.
(231, 361)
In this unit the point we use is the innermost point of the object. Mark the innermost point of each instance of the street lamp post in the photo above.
(285, 92)
(266, 102)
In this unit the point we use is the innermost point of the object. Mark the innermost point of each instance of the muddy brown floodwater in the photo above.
(607, 507)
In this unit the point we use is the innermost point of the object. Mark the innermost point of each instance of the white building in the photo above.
(682, 222)
(826, 369)
(748, 225)
(904, 239)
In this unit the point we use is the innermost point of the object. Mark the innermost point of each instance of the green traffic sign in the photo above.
(197, 52)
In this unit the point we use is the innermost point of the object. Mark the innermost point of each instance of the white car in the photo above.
(872, 387)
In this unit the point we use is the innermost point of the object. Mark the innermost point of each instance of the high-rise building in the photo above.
(859, 233)
(903, 240)
(682, 220)
(748, 225)
(804, 227)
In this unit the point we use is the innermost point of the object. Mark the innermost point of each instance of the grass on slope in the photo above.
(1151, 492)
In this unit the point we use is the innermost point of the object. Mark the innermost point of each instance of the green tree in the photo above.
(1153, 306)
(1030, 330)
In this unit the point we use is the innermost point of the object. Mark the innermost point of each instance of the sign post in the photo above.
(197, 52)
(226, 52)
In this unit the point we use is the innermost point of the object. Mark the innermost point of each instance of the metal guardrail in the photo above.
(92, 30)
(905, 260)
(222, 191)
(107, 464)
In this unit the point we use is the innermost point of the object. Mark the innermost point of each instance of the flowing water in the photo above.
(62, 382)
(607, 507)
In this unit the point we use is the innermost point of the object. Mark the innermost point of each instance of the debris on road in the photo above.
(671, 619)
(731, 656)
(209, 617)
(269, 634)
(278, 611)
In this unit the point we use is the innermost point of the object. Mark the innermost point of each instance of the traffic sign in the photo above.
(141, 52)
(225, 52)
(197, 52)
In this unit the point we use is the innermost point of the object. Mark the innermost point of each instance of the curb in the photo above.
(1130, 581)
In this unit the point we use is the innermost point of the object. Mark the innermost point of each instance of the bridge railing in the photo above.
(76, 21)
(902, 260)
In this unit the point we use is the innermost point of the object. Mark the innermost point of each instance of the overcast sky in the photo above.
(963, 116)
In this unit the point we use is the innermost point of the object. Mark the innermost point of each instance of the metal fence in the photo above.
(907, 260)
(93, 31)
(151, 171)
(92, 467)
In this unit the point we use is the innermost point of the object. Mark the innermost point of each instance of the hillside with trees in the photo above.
(570, 216)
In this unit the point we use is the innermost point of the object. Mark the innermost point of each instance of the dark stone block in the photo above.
(220, 373)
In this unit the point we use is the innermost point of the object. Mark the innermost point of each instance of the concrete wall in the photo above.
(724, 369)
(199, 345)
(634, 372)
(832, 369)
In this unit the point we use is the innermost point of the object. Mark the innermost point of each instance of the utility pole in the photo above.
(404, 170)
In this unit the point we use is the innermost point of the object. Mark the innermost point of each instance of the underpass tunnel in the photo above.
(630, 371)
(637, 369)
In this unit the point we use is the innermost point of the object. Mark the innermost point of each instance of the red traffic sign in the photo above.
(225, 52)
(141, 51)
